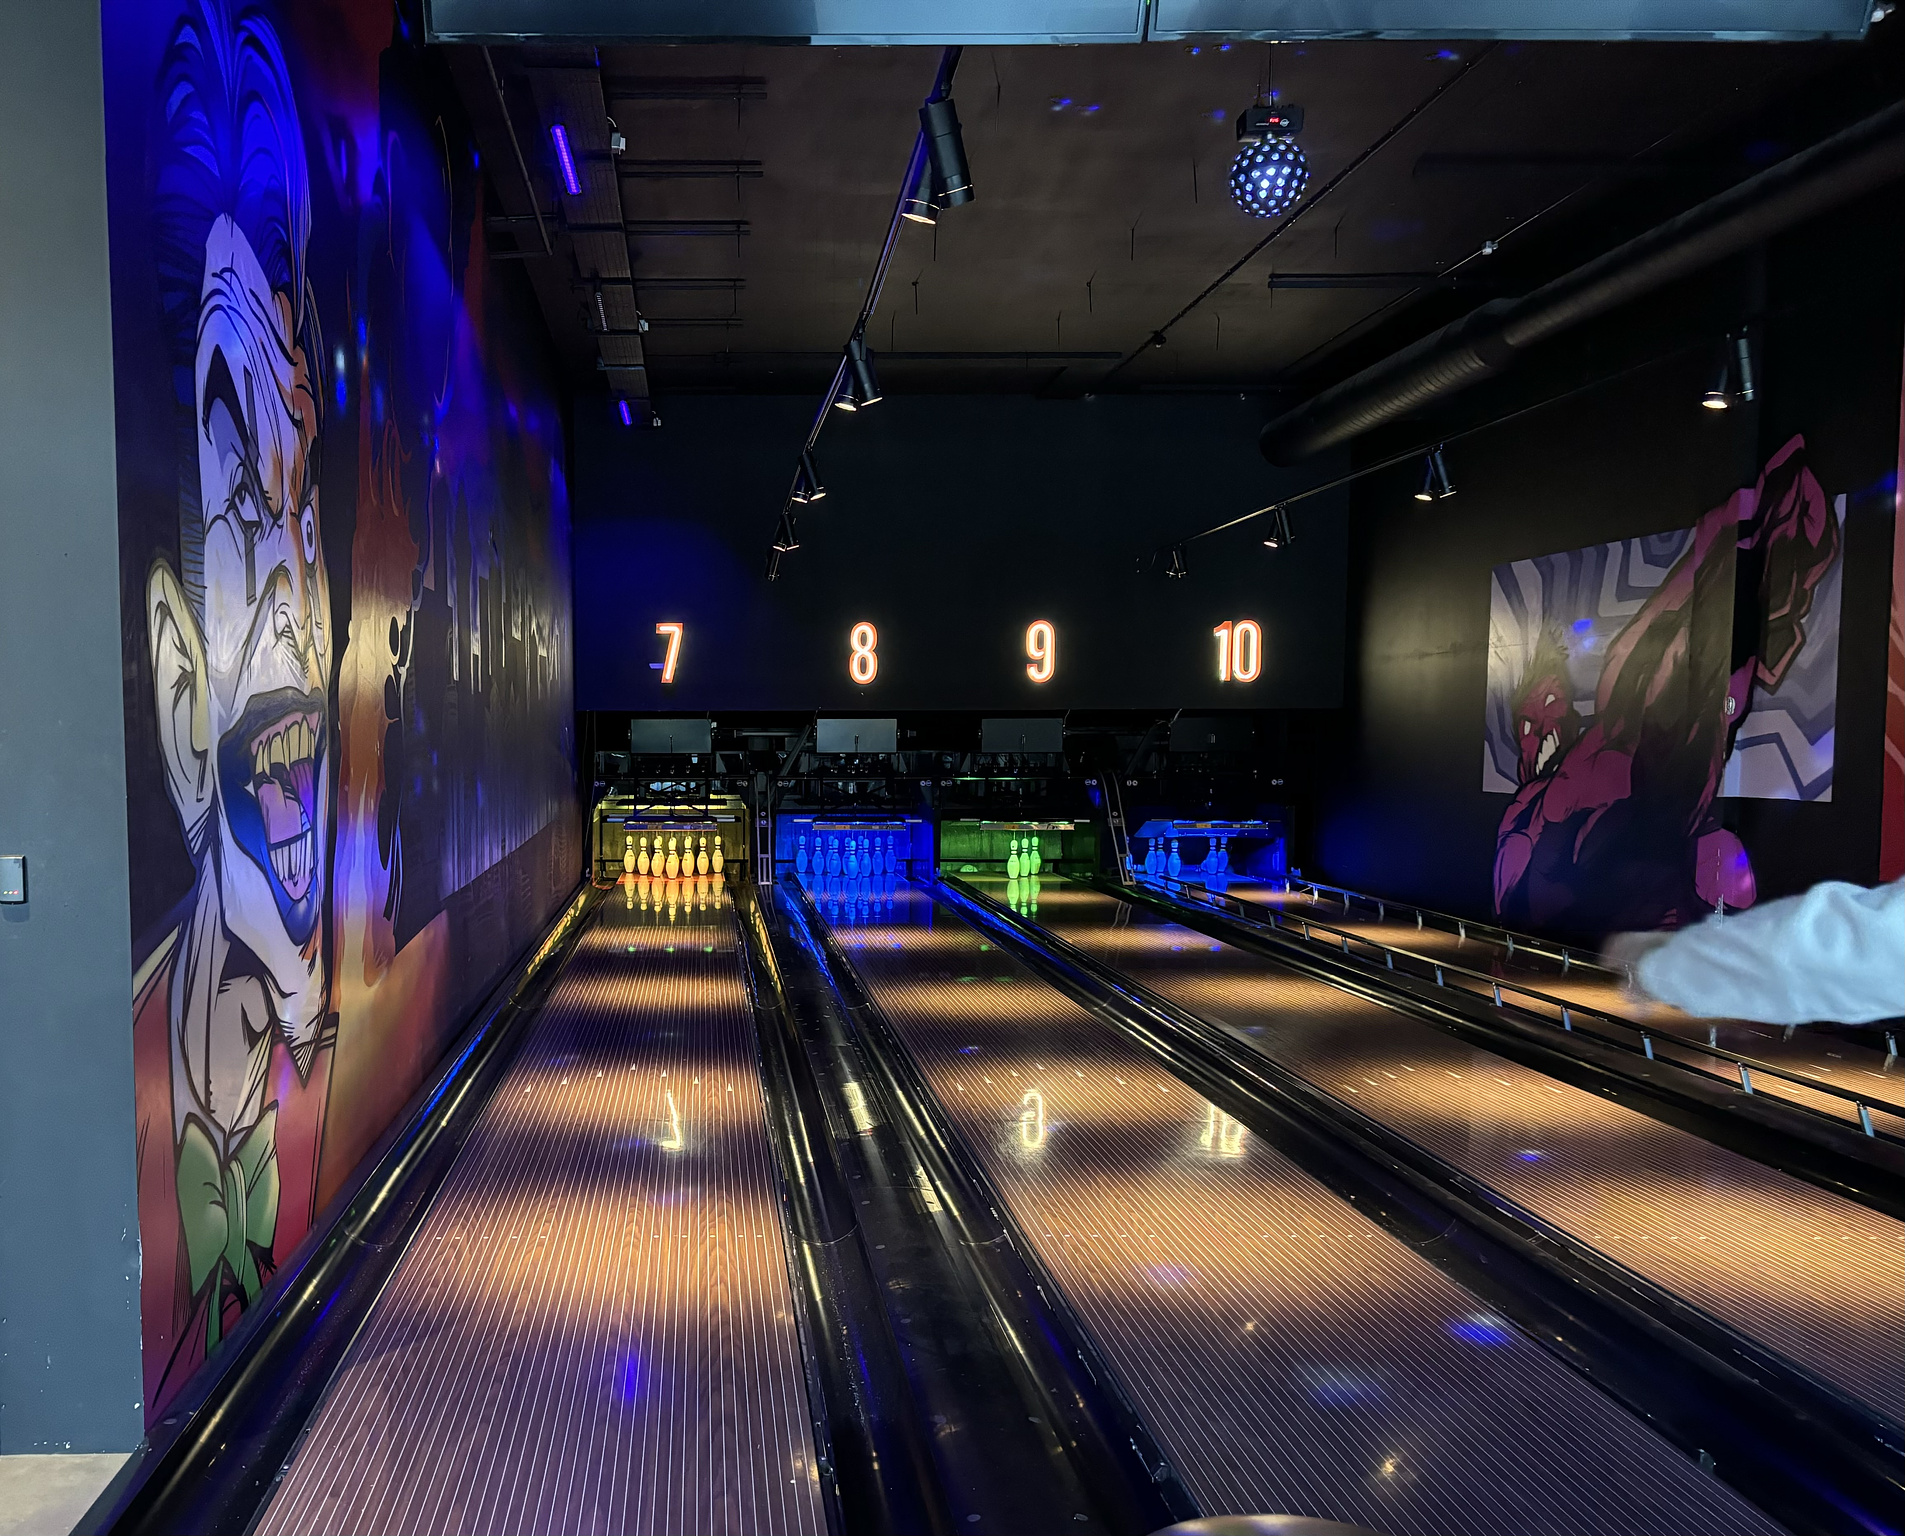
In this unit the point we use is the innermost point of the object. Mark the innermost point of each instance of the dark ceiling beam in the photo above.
(1452, 164)
(673, 284)
(1490, 340)
(685, 88)
(688, 170)
(1398, 280)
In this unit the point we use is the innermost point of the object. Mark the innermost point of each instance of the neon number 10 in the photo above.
(863, 662)
(1041, 646)
(1239, 650)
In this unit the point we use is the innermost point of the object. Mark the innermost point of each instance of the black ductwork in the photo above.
(1489, 340)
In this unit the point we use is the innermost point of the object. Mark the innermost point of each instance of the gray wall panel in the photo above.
(69, 1257)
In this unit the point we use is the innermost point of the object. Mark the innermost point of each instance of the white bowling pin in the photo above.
(1037, 862)
(716, 860)
(701, 857)
(1174, 866)
(628, 855)
(673, 867)
(1012, 861)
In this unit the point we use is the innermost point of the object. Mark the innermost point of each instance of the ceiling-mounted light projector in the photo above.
(1271, 170)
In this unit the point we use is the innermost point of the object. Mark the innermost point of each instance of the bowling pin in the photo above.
(628, 855)
(717, 861)
(850, 866)
(1012, 861)
(800, 855)
(641, 859)
(833, 855)
(1174, 866)
(673, 866)
(701, 856)
(1036, 860)
(892, 858)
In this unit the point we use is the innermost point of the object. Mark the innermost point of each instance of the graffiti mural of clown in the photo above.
(241, 649)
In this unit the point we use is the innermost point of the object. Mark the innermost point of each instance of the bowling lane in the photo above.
(1826, 1057)
(592, 1329)
(1816, 1277)
(1289, 1354)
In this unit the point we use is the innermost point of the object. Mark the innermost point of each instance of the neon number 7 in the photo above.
(674, 633)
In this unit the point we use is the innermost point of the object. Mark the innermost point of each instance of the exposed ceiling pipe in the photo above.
(1491, 339)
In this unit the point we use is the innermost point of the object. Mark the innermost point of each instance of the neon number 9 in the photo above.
(1041, 646)
(863, 665)
(1239, 650)
(674, 633)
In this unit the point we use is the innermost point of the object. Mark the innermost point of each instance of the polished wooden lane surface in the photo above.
(1289, 1354)
(1816, 1277)
(1858, 1065)
(592, 1330)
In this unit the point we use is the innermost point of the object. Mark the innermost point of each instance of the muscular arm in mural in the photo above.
(1617, 817)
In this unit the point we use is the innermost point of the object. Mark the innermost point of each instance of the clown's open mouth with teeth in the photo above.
(271, 763)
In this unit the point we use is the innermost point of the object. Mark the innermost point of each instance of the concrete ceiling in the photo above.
(758, 182)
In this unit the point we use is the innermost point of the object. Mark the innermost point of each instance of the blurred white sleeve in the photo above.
(1833, 955)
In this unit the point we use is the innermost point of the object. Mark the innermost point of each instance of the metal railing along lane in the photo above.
(1748, 1074)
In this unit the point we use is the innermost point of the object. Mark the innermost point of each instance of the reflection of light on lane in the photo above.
(1214, 1281)
(1222, 1134)
(1032, 1120)
(1482, 1328)
(672, 1141)
(1770, 1254)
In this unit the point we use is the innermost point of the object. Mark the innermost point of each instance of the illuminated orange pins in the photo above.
(1041, 647)
(674, 633)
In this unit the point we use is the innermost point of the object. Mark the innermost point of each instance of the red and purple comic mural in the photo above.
(1632, 685)
(345, 571)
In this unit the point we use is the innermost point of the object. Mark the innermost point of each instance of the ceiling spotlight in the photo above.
(1177, 567)
(1743, 361)
(847, 400)
(946, 153)
(601, 312)
(1280, 535)
(786, 541)
(1436, 485)
(807, 486)
(1719, 395)
(866, 386)
(921, 205)
(1271, 170)
(618, 141)
(654, 418)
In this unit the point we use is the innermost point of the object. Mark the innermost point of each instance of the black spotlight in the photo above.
(1743, 361)
(1177, 567)
(1719, 395)
(921, 205)
(786, 541)
(807, 486)
(1436, 485)
(946, 153)
(1280, 535)
(865, 384)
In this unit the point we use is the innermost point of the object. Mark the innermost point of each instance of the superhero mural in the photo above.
(346, 587)
(1632, 685)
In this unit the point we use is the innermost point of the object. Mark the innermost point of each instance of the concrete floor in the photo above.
(44, 1495)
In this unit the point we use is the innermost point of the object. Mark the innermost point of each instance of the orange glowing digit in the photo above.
(1041, 645)
(1247, 651)
(1222, 632)
(863, 665)
(674, 633)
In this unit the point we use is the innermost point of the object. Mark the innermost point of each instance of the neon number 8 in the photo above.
(863, 665)
(1239, 650)
(1041, 646)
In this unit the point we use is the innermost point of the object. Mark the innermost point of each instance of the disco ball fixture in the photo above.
(1268, 177)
